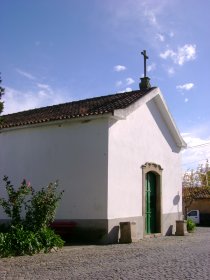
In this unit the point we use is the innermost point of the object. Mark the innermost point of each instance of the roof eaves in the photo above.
(169, 120)
(52, 121)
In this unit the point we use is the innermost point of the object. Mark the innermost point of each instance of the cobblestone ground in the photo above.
(158, 258)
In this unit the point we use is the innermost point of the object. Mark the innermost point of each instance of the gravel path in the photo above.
(159, 258)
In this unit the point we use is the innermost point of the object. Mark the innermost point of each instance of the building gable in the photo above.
(158, 99)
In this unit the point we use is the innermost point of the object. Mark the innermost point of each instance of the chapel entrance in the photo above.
(151, 198)
(151, 193)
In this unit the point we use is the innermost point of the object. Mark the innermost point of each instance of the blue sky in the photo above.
(54, 51)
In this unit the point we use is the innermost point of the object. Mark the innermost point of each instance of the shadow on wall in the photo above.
(113, 235)
(169, 230)
(162, 126)
(92, 235)
(176, 202)
(176, 199)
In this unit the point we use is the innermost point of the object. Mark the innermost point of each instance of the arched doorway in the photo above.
(150, 203)
(151, 194)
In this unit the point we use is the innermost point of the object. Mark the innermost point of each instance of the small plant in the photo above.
(29, 234)
(4, 227)
(19, 241)
(13, 206)
(41, 209)
(49, 239)
(190, 225)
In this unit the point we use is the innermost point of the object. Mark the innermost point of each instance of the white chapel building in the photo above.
(116, 157)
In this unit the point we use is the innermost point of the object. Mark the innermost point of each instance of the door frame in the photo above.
(157, 170)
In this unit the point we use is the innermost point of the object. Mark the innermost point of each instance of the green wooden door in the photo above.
(150, 217)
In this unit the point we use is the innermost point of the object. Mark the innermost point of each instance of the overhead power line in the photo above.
(200, 145)
(194, 161)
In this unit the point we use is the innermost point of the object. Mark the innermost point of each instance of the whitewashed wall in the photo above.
(73, 152)
(142, 137)
(97, 162)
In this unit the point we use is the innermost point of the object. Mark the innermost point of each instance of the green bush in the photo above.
(4, 227)
(49, 239)
(13, 206)
(41, 209)
(29, 234)
(5, 244)
(190, 225)
(19, 242)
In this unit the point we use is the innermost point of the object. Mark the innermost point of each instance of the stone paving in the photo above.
(158, 258)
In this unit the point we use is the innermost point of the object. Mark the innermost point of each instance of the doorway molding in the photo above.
(157, 170)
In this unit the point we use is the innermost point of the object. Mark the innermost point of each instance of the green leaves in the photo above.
(19, 241)
(190, 225)
(29, 234)
(49, 239)
(13, 206)
(41, 209)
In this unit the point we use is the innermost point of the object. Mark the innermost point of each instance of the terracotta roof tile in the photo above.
(197, 192)
(76, 109)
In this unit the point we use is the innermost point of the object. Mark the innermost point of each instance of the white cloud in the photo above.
(186, 100)
(168, 53)
(44, 86)
(118, 83)
(182, 55)
(186, 53)
(197, 152)
(16, 100)
(160, 37)
(129, 81)
(25, 74)
(151, 17)
(132, 21)
(119, 68)
(187, 86)
(151, 67)
(171, 71)
(128, 89)
(171, 34)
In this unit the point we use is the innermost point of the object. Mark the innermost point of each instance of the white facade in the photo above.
(139, 138)
(74, 152)
(98, 162)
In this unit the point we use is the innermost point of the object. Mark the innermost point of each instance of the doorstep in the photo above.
(153, 235)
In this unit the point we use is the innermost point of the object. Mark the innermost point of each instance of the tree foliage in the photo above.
(194, 184)
(196, 178)
(189, 194)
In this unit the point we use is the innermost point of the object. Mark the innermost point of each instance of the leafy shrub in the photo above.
(190, 225)
(13, 206)
(5, 244)
(4, 227)
(49, 239)
(18, 241)
(30, 234)
(41, 209)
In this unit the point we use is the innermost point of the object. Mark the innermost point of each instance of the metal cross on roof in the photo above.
(145, 65)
